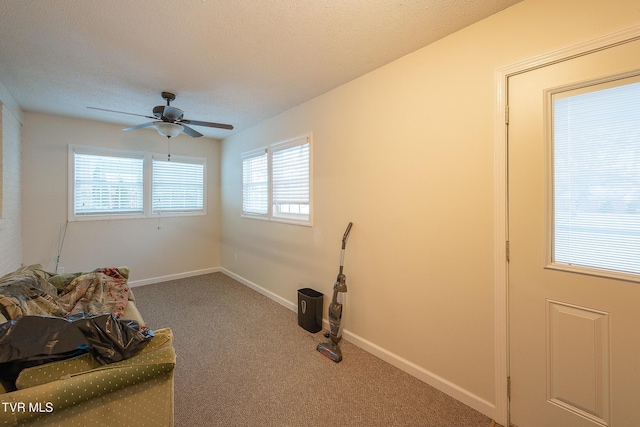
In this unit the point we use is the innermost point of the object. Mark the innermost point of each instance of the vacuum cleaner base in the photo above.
(330, 350)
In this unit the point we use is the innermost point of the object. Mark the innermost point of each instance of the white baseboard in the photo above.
(277, 298)
(434, 380)
(159, 279)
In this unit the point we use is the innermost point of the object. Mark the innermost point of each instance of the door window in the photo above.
(596, 178)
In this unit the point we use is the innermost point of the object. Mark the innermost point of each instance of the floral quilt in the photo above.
(31, 291)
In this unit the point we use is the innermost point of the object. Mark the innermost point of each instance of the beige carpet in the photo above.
(242, 360)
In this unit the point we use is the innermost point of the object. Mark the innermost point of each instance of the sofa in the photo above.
(80, 390)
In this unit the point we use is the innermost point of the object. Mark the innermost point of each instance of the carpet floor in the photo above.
(242, 360)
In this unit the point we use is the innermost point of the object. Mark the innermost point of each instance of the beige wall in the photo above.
(406, 153)
(153, 248)
(10, 182)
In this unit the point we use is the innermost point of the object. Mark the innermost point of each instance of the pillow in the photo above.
(61, 281)
(124, 271)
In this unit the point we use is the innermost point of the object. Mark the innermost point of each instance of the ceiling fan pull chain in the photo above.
(168, 149)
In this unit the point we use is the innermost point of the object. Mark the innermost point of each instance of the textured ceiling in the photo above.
(228, 61)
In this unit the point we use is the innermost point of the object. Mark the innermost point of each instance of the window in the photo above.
(276, 182)
(596, 190)
(178, 186)
(108, 183)
(255, 183)
(290, 176)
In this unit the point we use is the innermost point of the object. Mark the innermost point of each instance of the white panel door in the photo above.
(574, 318)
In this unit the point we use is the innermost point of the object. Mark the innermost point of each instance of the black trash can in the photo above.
(310, 309)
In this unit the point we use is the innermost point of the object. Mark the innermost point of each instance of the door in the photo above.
(574, 241)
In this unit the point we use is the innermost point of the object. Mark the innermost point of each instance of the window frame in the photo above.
(269, 150)
(147, 183)
(550, 96)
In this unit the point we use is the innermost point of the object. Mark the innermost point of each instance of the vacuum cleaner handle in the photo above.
(346, 235)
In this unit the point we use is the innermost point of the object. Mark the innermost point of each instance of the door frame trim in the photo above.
(501, 236)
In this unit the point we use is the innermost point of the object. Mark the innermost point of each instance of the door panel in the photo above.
(574, 336)
(578, 359)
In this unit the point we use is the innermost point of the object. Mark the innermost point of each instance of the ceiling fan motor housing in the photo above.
(168, 96)
(157, 111)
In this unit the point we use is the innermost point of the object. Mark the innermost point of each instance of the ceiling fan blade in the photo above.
(144, 125)
(172, 113)
(191, 132)
(207, 124)
(122, 112)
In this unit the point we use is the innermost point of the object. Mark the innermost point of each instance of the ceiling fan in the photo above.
(169, 121)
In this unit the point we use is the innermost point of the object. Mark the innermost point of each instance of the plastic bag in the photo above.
(34, 340)
(111, 339)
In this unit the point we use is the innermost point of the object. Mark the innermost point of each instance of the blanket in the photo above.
(28, 291)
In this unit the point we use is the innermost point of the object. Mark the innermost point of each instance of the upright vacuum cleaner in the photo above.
(331, 349)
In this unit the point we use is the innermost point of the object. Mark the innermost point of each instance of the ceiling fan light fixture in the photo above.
(170, 130)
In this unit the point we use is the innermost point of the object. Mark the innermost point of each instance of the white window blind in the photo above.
(107, 183)
(597, 178)
(177, 186)
(276, 181)
(255, 183)
(291, 198)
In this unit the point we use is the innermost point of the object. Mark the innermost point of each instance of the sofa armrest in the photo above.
(74, 389)
(158, 350)
(131, 312)
(32, 403)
